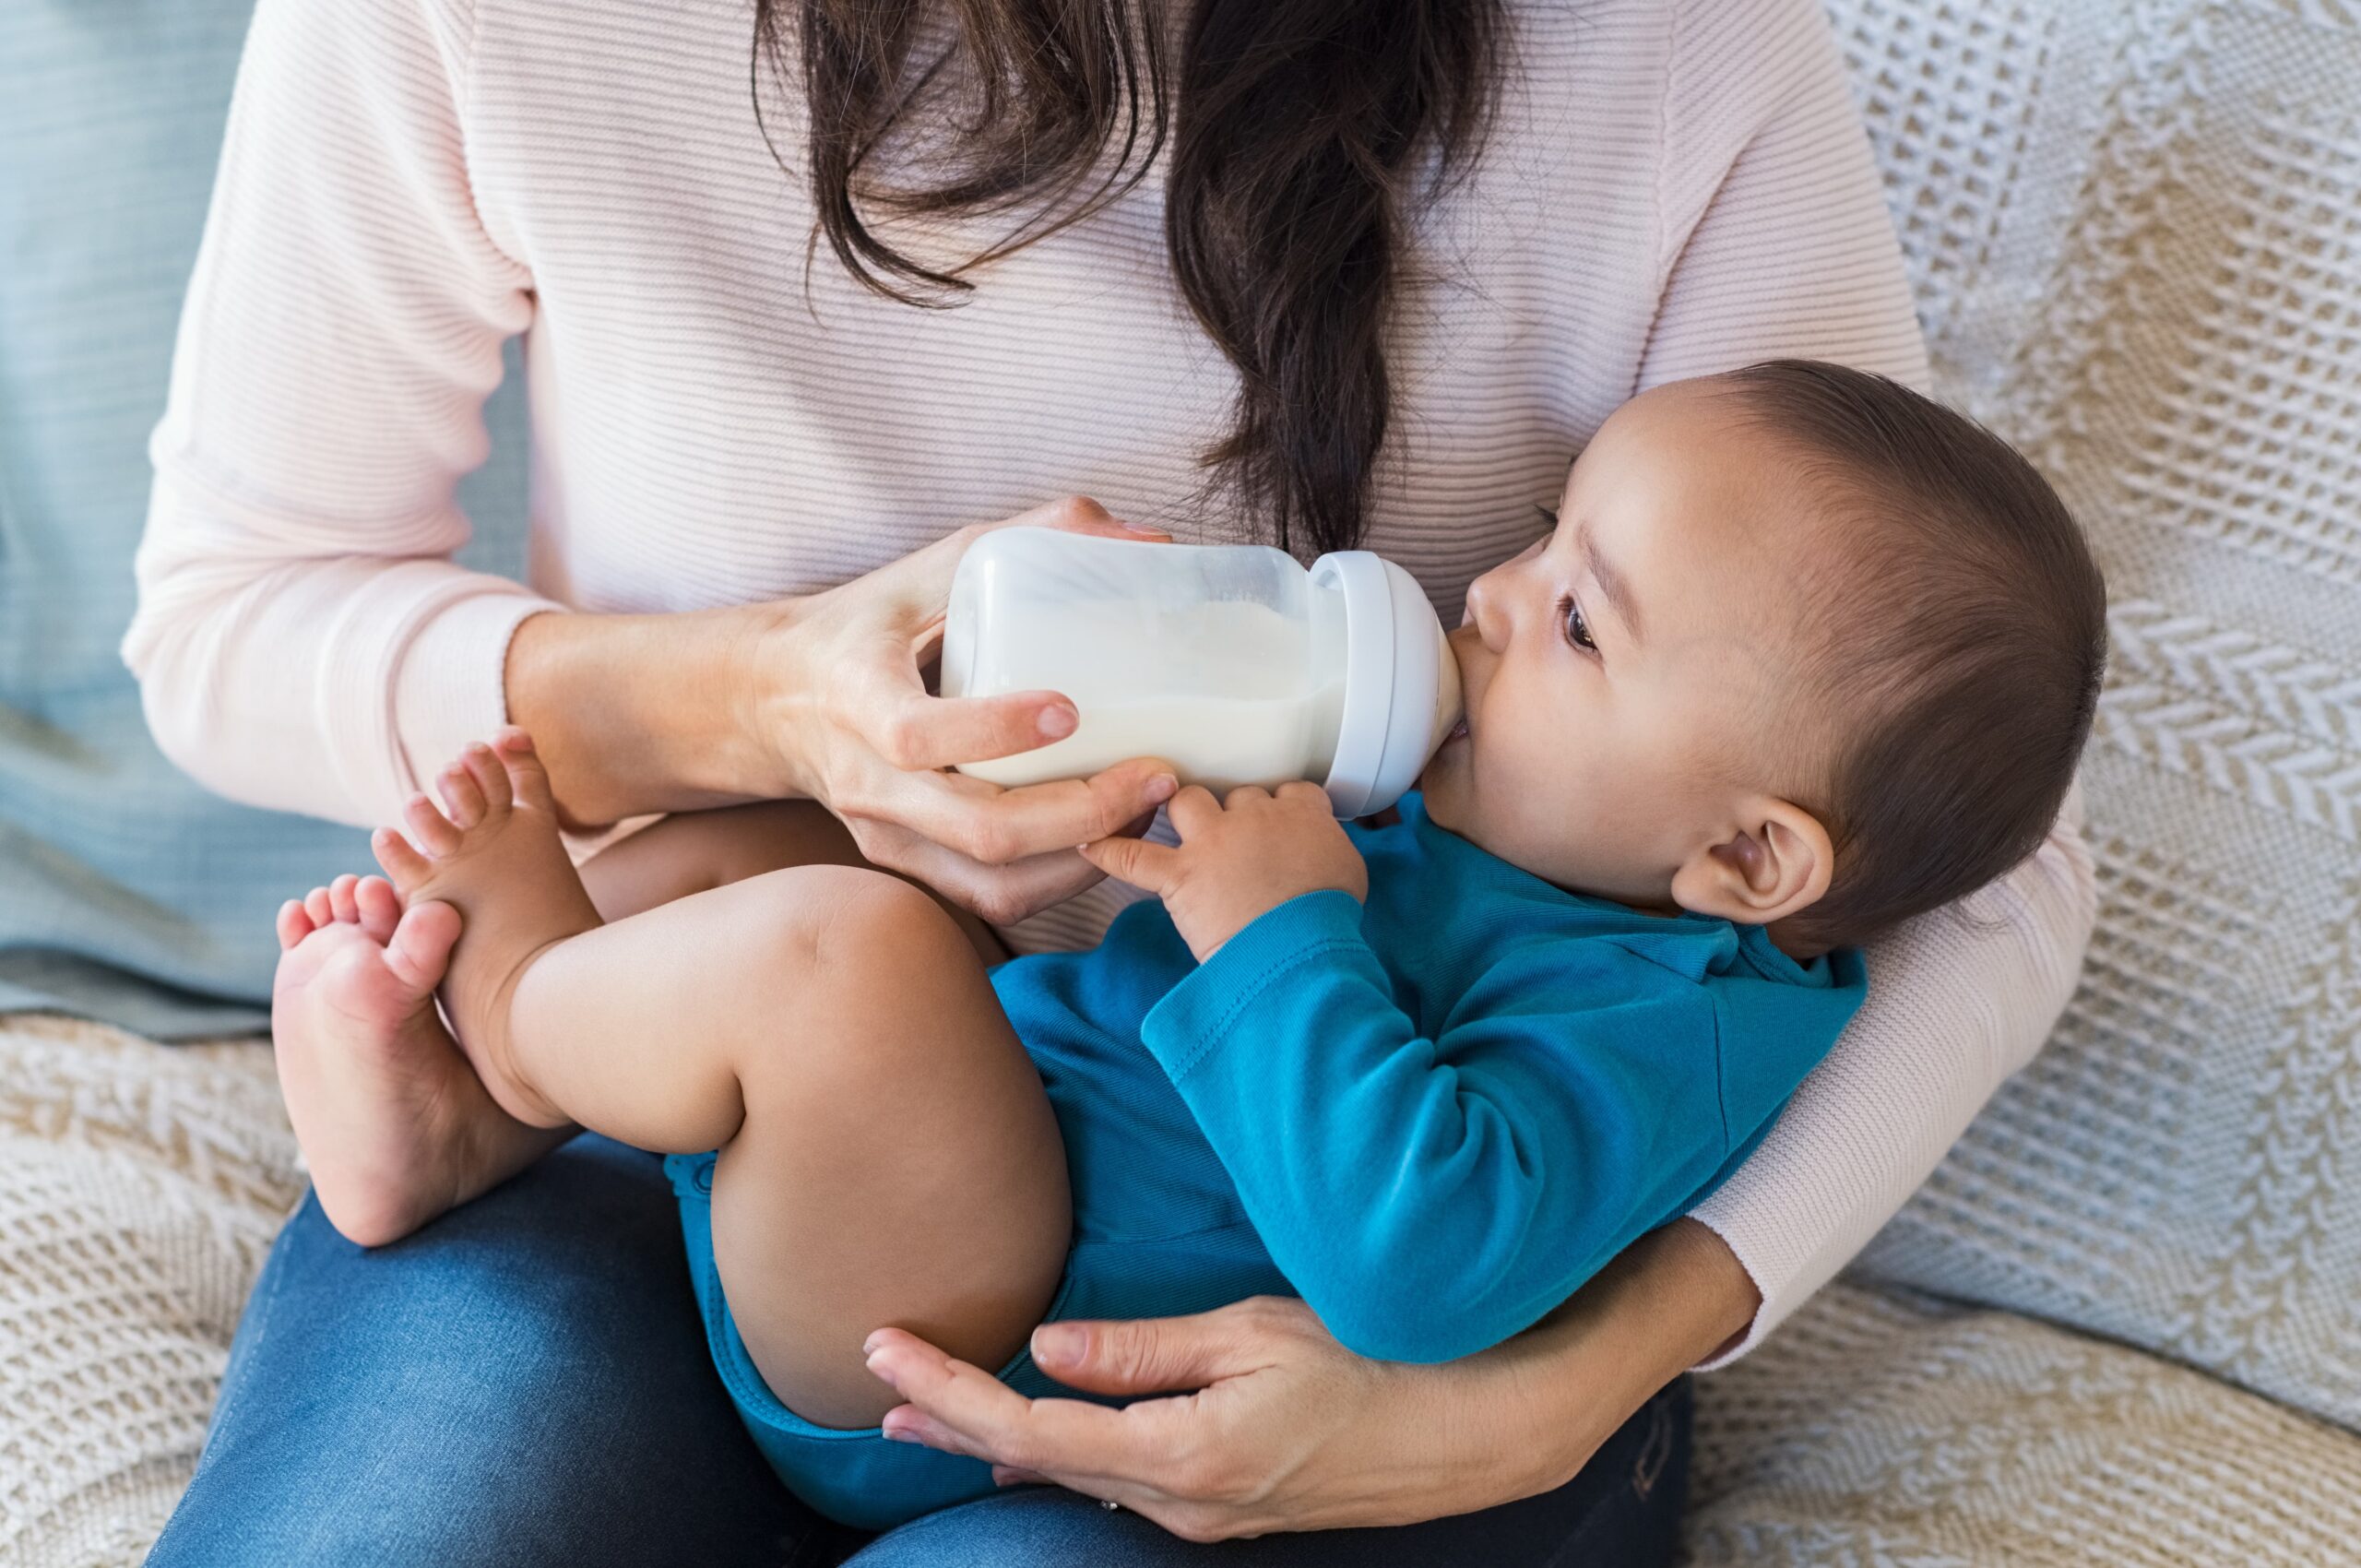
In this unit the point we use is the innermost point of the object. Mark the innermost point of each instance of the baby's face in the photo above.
(1631, 680)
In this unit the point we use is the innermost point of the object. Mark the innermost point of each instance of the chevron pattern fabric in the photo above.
(2135, 233)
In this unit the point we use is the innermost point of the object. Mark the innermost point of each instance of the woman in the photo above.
(1322, 271)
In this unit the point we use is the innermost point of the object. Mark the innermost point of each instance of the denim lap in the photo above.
(1623, 1511)
(523, 1381)
(527, 1382)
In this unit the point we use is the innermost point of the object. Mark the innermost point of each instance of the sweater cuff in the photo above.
(1766, 1262)
(450, 681)
(1196, 1016)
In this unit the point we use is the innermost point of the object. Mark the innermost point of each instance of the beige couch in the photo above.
(2120, 1324)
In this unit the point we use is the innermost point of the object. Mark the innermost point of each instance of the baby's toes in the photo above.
(461, 798)
(421, 948)
(404, 864)
(316, 904)
(429, 828)
(380, 906)
(526, 775)
(341, 902)
(294, 923)
(490, 777)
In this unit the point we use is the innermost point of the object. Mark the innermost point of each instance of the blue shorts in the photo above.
(1158, 1231)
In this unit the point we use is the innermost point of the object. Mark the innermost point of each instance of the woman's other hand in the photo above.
(1289, 1430)
(838, 685)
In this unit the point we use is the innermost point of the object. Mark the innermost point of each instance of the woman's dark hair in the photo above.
(1961, 629)
(1299, 129)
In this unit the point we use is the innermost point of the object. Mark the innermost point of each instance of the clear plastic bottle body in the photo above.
(1224, 659)
(1232, 662)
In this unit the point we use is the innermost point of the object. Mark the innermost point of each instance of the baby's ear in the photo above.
(1774, 862)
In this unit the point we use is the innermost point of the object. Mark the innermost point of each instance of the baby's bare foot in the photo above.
(392, 1120)
(495, 855)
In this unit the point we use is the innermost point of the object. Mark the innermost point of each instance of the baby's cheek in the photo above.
(1441, 787)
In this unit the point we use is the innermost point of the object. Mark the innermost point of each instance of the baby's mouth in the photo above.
(1458, 733)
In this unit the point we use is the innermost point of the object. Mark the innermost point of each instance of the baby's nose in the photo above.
(1482, 617)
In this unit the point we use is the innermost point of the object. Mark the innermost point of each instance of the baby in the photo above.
(1805, 655)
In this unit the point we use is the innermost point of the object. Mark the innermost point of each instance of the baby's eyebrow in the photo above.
(1613, 585)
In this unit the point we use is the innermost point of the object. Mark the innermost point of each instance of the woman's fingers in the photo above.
(999, 895)
(1009, 1475)
(841, 695)
(964, 1409)
(914, 731)
(1080, 514)
(922, 578)
(1203, 1465)
(1161, 1355)
(996, 826)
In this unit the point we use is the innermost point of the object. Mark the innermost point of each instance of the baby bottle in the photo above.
(1230, 661)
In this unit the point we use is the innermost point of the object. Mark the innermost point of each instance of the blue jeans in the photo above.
(525, 1382)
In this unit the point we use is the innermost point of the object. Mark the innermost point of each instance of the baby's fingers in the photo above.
(1150, 867)
(1193, 811)
(1308, 796)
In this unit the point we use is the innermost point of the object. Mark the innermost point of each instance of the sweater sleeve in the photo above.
(1959, 999)
(303, 639)
(1775, 242)
(1432, 1197)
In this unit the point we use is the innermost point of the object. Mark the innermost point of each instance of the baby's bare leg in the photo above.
(887, 1154)
(392, 1117)
(694, 851)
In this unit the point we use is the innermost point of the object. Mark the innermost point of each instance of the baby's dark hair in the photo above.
(1964, 626)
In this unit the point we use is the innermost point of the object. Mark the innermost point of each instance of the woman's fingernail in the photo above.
(1056, 724)
(883, 1372)
(868, 1346)
(1061, 1343)
(1162, 787)
(897, 1434)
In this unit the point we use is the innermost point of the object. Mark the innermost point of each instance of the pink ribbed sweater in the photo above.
(1673, 187)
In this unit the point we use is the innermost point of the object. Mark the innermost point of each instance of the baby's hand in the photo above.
(1238, 858)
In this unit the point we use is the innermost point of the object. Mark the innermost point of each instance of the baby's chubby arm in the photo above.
(1428, 1197)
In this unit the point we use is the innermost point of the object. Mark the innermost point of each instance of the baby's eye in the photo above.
(1577, 629)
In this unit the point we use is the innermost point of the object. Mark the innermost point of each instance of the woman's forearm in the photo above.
(1555, 1393)
(644, 713)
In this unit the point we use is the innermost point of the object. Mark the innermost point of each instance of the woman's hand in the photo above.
(836, 685)
(1289, 1430)
(823, 697)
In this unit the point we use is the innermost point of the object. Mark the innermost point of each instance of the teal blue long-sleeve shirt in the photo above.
(1447, 1108)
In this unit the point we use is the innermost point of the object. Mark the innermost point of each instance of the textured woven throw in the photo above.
(2135, 230)
(2135, 233)
(140, 1186)
(2136, 237)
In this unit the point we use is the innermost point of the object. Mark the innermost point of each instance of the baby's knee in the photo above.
(848, 921)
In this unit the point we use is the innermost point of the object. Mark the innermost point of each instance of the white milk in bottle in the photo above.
(1231, 662)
